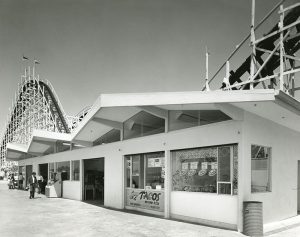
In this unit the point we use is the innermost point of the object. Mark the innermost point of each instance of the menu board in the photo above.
(145, 198)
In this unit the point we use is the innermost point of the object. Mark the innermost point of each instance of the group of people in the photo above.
(34, 183)
(13, 182)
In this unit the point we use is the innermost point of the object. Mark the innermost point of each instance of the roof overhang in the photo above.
(16, 152)
(40, 142)
(111, 110)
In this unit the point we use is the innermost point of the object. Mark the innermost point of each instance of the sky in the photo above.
(89, 47)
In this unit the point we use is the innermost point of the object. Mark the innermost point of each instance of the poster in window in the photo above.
(157, 162)
(214, 165)
(194, 165)
(185, 166)
(151, 162)
(204, 165)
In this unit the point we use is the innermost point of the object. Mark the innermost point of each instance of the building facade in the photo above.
(193, 156)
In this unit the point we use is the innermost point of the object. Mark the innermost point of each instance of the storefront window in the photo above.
(63, 168)
(204, 170)
(75, 170)
(260, 169)
(145, 175)
(155, 171)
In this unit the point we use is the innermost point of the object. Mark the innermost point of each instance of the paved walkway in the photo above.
(21, 216)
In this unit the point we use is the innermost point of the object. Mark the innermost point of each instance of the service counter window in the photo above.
(145, 174)
(209, 169)
(63, 168)
(145, 171)
(260, 169)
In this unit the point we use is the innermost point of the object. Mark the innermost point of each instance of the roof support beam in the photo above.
(230, 110)
(110, 123)
(42, 142)
(162, 113)
(83, 143)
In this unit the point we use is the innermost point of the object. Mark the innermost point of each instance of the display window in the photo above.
(208, 169)
(145, 171)
(145, 178)
(63, 168)
(260, 169)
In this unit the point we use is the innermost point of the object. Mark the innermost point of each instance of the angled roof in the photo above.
(111, 110)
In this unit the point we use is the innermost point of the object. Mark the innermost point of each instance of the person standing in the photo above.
(32, 181)
(20, 181)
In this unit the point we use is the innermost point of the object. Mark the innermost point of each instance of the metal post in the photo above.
(252, 65)
(281, 47)
(206, 70)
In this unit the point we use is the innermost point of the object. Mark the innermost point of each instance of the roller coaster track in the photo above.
(264, 48)
(36, 106)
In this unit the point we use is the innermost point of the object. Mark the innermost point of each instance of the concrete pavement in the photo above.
(21, 216)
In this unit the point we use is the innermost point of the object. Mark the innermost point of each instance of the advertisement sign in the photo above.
(156, 162)
(185, 166)
(150, 199)
(194, 165)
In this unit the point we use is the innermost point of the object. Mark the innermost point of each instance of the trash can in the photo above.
(253, 218)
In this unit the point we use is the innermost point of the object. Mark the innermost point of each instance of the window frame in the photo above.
(142, 156)
(231, 146)
(269, 166)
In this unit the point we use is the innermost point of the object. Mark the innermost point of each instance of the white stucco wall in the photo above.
(190, 203)
(281, 202)
(71, 190)
(206, 206)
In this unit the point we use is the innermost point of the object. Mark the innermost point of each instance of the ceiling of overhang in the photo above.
(188, 107)
(14, 155)
(92, 131)
(272, 111)
(119, 114)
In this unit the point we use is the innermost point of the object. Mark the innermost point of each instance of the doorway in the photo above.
(43, 171)
(28, 173)
(93, 187)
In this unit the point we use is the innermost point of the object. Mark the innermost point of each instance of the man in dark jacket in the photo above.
(32, 181)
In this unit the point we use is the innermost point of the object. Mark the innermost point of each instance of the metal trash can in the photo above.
(253, 218)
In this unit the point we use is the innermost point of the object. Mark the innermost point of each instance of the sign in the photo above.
(204, 165)
(156, 162)
(145, 198)
(185, 166)
(151, 162)
(214, 165)
(194, 165)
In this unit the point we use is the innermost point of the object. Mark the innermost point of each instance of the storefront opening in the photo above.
(93, 188)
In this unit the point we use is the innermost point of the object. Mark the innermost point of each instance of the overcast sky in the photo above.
(88, 47)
